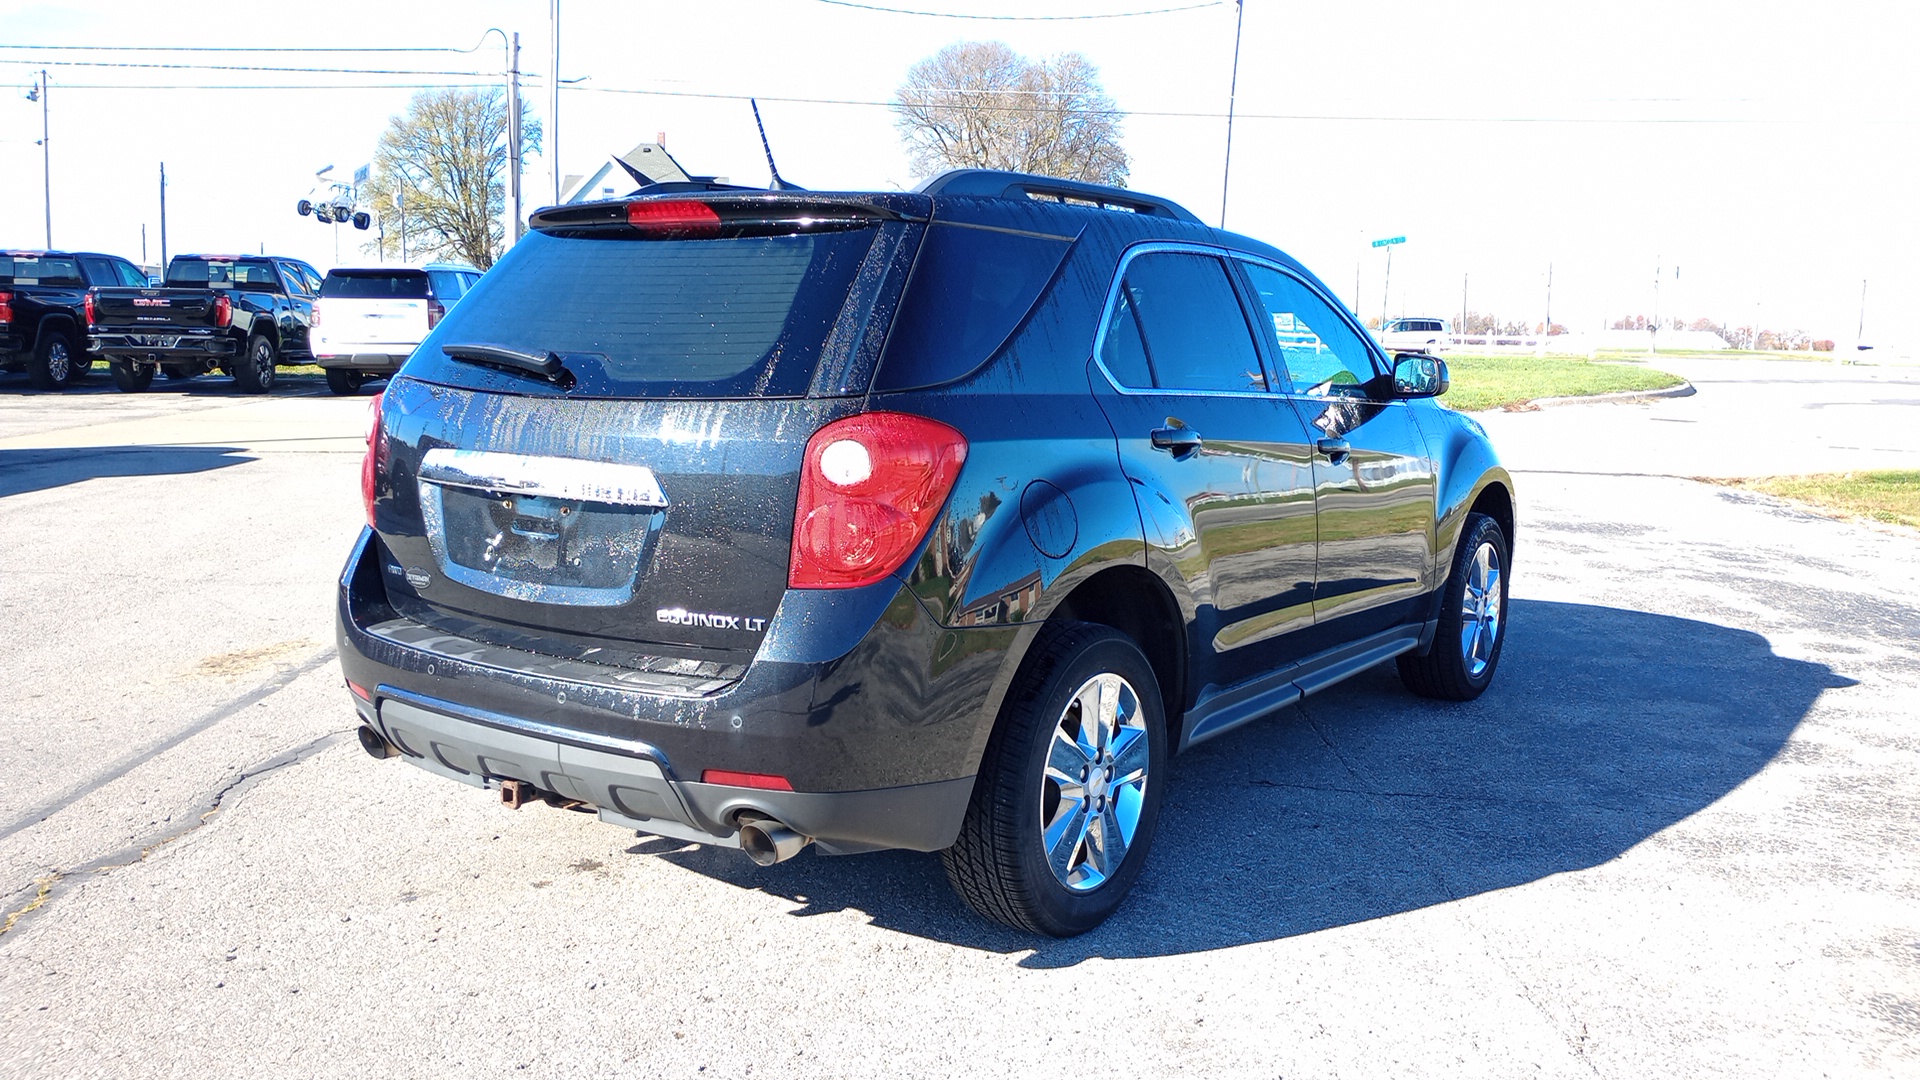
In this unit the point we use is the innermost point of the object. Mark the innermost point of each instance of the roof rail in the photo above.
(998, 183)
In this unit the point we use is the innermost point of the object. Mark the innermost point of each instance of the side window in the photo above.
(296, 284)
(1192, 333)
(1321, 353)
(312, 276)
(1122, 350)
(447, 286)
(130, 274)
(99, 271)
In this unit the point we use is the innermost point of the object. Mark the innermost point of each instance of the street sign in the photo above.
(360, 175)
(1390, 241)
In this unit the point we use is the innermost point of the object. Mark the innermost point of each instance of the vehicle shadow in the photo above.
(37, 470)
(100, 382)
(1604, 727)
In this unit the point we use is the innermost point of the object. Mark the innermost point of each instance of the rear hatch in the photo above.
(636, 507)
(373, 307)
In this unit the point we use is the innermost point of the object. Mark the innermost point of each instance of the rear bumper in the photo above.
(12, 343)
(845, 700)
(163, 346)
(385, 359)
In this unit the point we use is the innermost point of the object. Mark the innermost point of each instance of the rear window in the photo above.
(218, 274)
(741, 317)
(35, 270)
(374, 285)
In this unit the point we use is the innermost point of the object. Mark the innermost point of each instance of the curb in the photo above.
(1685, 389)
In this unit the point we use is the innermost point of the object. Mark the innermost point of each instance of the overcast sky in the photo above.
(1764, 152)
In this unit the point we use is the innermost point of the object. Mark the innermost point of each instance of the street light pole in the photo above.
(46, 158)
(513, 139)
(163, 219)
(552, 134)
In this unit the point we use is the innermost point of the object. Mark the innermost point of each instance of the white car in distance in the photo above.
(369, 319)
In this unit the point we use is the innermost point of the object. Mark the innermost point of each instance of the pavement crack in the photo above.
(51, 885)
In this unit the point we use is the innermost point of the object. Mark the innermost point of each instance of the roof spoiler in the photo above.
(1000, 184)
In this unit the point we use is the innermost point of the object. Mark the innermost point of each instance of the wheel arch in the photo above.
(60, 321)
(1132, 600)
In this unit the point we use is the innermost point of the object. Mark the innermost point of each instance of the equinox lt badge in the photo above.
(682, 617)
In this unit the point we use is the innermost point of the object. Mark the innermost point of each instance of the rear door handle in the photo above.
(1335, 449)
(1181, 441)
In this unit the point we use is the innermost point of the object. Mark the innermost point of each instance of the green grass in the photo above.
(1891, 496)
(1489, 382)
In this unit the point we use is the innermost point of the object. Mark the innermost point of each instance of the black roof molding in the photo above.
(998, 183)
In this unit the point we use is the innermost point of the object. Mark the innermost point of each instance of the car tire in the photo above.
(53, 359)
(1460, 663)
(180, 372)
(253, 369)
(344, 380)
(1029, 854)
(130, 377)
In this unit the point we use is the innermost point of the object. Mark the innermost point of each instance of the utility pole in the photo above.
(46, 153)
(163, 220)
(1385, 285)
(513, 140)
(1233, 89)
(1548, 332)
(1653, 336)
(400, 203)
(143, 243)
(1463, 327)
(553, 103)
(1860, 332)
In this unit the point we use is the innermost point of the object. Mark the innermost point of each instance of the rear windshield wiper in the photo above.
(545, 365)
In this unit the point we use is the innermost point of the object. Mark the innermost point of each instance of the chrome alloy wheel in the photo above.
(59, 362)
(1480, 606)
(1095, 782)
(262, 359)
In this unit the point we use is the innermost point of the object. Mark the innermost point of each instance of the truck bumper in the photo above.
(372, 361)
(162, 348)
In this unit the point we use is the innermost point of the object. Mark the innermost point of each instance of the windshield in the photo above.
(743, 317)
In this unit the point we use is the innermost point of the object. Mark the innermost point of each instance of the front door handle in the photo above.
(1335, 449)
(1180, 441)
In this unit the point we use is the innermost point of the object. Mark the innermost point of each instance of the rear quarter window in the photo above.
(971, 288)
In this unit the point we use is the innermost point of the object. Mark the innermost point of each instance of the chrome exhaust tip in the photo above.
(767, 841)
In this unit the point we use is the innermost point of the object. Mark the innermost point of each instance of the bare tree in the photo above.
(440, 173)
(979, 104)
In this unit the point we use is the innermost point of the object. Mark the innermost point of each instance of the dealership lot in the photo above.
(1677, 838)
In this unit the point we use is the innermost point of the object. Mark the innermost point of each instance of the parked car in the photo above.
(242, 314)
(1422, 334)
(43, 317)
(933, 520)
(370, 318)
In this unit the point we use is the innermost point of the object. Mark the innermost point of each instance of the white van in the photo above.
(1417, 333)
(369, 318)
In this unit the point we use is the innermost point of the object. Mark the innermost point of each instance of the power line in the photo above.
(1019, 18)
(244, 48)
(241, 67)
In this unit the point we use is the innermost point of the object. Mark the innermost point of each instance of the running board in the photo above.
(1224, 710)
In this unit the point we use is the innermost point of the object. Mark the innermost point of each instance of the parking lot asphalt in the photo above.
(1677, 838)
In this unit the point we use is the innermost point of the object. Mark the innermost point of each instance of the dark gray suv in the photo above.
(933, 520)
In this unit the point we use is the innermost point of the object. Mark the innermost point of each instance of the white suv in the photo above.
(370, 318)
(1418, 333)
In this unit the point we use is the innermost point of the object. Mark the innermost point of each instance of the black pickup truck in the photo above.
(243, 314)
(43, 310)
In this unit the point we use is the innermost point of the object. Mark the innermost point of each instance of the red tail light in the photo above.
(435, 311)
(89, 306)
(6, 307)
(317, 309)
(674, 218)
(222, 310)
(375, 460)
(869, 490)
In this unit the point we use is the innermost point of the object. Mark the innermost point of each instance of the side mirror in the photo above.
(1417, 375)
